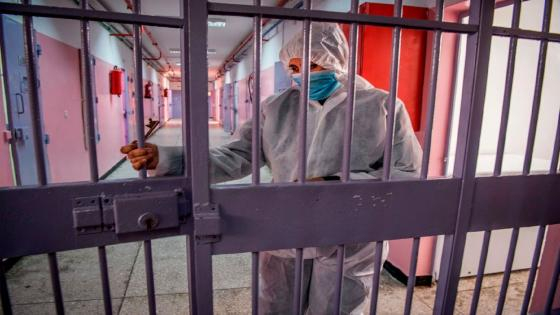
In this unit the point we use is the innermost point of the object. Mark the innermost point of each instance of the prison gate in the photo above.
(48, 218)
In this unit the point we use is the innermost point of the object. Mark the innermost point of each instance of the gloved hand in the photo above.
(139, 157)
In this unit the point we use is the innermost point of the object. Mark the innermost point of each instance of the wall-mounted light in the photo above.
(174, 50)
(178, 64)
(216, 22)
(211, 51)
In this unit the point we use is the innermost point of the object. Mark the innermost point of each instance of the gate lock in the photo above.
(130, 213)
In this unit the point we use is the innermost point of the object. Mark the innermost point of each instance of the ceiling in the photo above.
(222, 40)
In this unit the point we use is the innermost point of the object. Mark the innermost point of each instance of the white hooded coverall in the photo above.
(325, 128)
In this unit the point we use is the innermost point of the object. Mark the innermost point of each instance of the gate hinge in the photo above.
(207, 223)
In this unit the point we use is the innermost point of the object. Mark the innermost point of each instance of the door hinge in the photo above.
(130, 213)
(207, 223)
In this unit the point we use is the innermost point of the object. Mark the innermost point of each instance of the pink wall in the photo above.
(109, 118)
(61, 99)
(6, 178)
(550, 252)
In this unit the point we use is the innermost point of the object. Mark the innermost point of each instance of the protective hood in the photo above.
(328, 49)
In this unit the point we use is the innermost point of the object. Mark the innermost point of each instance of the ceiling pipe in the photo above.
(231, 60)
(151, 60)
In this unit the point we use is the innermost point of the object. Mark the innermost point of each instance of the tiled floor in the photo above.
(31, 290)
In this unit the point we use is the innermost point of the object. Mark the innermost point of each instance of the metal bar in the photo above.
(555, 150)
(392, 98)
(55, 282)
(304, 98)
(507, 91)
(185, 88)
(148, 260)
(376, 276)
(351, 96)
(432, 96)
(255, 130)
(507, 271)
(79, 14)
(87, 93)
(196, 14)
(525, 34)
(533, 270)
(104, 270)
(34, 97)
(538, 91)
(138, 83)
(411, 275)
(553, 285)
(470, 122)
(4, 293)
(340, 253)
(255, 283)
(298, 283)
(480, 272)
(338, 17)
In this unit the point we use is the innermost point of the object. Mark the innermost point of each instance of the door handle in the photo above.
(19, 97)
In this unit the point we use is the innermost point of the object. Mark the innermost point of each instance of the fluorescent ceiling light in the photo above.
(174, 50)
(215, 22)
(211, 51)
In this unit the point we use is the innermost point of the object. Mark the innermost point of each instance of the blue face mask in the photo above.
(321, 84)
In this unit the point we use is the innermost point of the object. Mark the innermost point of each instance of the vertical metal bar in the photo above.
(195, 43)
(55, 281)
(436, 47)
(4, 293)
(507, 90)
(533, 270)
(376, 276)
(150, 276)
(480, 272)
(538, 90)
(553, 286)
(556, 149)
(298, 282)
(255, 131)
(255, 283)
(34, 97)
(107, 303)
(507, 271)
(392, 98)
(87, 92)
(304, 98)
(470, 122)
(185, 88)
(340, 253)
(138, 83)
(411, 275)
(351, 96)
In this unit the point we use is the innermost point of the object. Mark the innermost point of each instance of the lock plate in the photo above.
(146, 212)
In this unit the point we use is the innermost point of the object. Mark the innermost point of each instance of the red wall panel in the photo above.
(375, 48)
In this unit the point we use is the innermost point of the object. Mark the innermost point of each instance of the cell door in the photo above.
(17, 97)
(227, 108)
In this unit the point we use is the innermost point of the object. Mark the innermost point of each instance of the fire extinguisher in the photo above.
(116, 77)
(148, 90)
(165, 92)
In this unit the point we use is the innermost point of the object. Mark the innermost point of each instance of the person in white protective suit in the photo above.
(325, 126)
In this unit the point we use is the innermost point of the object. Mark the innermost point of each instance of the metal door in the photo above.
(227, 107)
(260, 217)
(17, 97)
(128, 112)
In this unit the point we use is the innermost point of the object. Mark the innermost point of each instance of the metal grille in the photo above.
(212, 217)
